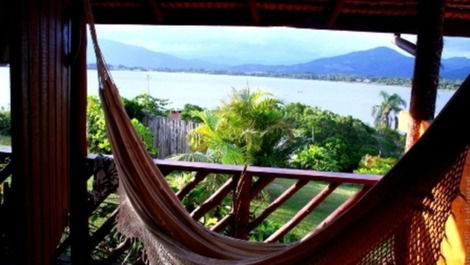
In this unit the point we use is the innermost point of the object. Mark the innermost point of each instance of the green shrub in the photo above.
(188, 113)
(97, 136)
(317, 158)
(5, 123)
(375, 165)
(347, 139)
(145, 105)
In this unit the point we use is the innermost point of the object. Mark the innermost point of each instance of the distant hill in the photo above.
(117, 53)
(379, 62)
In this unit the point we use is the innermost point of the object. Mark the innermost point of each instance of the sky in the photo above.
(267, 45)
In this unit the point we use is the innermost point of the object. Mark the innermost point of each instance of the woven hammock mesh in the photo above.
(412, 236)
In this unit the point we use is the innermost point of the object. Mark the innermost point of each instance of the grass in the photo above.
(5, 140)
(299, 200)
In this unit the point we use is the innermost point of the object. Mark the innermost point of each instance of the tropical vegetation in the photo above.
(249, 128)
(255, 128)
(97, 136)
(375, 165)
(385, 113)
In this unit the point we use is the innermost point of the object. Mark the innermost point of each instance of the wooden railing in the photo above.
(242, 185)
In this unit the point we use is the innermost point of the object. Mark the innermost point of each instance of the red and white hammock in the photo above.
(398, 221)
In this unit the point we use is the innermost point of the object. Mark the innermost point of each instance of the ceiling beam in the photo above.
(255, 16)
(336, 10)
(156, 10)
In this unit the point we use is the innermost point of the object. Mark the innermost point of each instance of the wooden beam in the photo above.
(6, 172)
(405, 45)
(278, 202)
(304, 212)
(223, 223)
(259, 185)
(40, 108)
(213, 200)
(335, 13)
(342, 208)
(241, 206)
(156, 10)
(426, 71)
(266, 172)
(79, 206)
(200, 175)
(254, 13)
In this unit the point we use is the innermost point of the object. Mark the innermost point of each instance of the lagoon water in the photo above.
(208, 91)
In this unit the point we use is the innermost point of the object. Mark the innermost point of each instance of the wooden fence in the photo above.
(170, 135)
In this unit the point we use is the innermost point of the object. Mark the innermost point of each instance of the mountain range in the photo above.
(379, 62)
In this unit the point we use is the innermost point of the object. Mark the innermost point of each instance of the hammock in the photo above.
(398, 221)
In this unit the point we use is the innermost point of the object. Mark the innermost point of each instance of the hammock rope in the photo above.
(398, 221)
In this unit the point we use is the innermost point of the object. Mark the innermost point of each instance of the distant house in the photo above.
(175, 115)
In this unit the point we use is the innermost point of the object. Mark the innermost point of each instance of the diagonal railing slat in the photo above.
(300, 215)
(287, 194)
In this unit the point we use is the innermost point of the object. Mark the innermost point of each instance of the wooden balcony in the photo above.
(242, 185)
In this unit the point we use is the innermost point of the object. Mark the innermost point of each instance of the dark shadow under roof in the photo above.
(357, 15)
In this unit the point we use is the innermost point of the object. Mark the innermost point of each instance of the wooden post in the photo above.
(241, 206)
(79, 209)
(40, 108)
(426, 71)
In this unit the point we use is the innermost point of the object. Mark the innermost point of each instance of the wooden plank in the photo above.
(255, 16)
(343, 207)
(170, 135)
(6, 172)
(117, 252)
(259, 185)
(191, 185)
(426, 71)
(278, 202)
(80, 168)
(223, 223)
(156, 11)
(270, 172)
(313, 175)
(263, 172)
(241, 206)
(304, 212)
(213, 200)
(336, 10)
(103, 230)
(40, 126)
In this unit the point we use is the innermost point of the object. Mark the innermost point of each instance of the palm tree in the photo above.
(249, 128)
(386, 112)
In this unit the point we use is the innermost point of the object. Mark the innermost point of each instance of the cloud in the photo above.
(269, 45)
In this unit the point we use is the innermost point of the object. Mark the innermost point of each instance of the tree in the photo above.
(386, 112)
(97, 136)
(249, 128)
(5, 122)
(145, 105)
(345, 139)
(188, 112)
(316, 158)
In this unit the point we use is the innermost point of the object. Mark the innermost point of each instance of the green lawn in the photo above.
(300, 199)
(5, 140)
